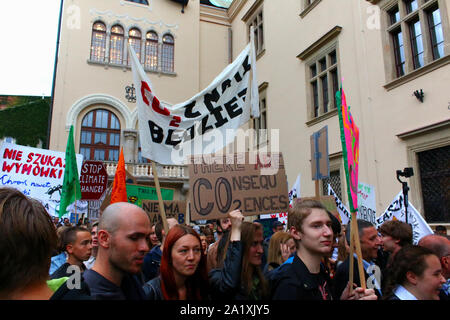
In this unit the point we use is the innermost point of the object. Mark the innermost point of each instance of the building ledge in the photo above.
(425, 129)
(125, 68)
(322, 117)
(333, 33)
(418, 73)
(309, 8)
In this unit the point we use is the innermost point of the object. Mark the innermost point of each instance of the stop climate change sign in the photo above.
(93, 180)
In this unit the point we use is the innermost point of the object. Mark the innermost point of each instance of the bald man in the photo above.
(123, 235)
(441, 247)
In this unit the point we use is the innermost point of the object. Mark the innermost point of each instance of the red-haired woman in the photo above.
(183, 274)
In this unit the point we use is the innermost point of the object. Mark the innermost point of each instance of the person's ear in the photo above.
(69, 248)
(103, 238)
(295, 233)
(411, 277)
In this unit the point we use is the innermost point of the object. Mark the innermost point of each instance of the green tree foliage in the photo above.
(27, 123)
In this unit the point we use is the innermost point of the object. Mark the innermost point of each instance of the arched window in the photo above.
(100, 136)
(151, 50)
(134, 39)
(98, 43)
(116, 45)
(167, 54)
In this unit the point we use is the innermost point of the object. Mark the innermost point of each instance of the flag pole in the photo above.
(160, 200)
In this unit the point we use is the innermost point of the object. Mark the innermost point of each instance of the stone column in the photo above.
(129, 145)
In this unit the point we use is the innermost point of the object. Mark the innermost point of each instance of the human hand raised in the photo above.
(285, 251)
(236, 218)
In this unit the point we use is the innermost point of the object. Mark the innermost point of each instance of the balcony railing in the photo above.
(145, 170)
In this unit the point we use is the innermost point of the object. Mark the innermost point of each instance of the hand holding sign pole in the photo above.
(350, 149)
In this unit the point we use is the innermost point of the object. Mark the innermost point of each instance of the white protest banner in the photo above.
(367, 205)
(396, 211)
(38, 173)
(293, 194)
(344, 213)
(204, 124)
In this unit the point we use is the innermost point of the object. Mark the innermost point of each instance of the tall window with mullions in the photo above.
(134, 39)
(434, 167)
(167, 54)
(98, 42)
(100, 136)
(116, 45)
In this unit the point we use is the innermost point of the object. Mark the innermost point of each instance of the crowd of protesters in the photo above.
(124, 257)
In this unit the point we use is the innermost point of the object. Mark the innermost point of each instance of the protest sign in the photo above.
(38, 173)
(170, 134)
(367, 206)
(254, 183)
(93, 180)
(293, 194)
(136, 193)
(174, 209)
(396, 211)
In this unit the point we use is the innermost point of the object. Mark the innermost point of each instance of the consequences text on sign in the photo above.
(251, 182)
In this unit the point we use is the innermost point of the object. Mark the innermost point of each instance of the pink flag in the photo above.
(350, 148)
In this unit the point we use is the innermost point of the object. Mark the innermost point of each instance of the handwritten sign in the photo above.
(93, 180)
(173, 209)
(38, 173)
(255, 184)
(367, 206)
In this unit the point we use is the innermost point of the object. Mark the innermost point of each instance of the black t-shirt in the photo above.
(321, 281)
(103, 289)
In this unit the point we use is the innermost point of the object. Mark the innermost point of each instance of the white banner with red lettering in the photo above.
(38, 173)
(204, 124)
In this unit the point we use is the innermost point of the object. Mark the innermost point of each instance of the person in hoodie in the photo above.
(27, 241)
(123, 237)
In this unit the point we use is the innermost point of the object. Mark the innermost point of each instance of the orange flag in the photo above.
(119, 190)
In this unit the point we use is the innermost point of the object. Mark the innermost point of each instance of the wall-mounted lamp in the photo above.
(130, 93)
(419, 95)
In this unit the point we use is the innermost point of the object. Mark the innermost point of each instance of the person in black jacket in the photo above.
(303, 276)
(27, 241)
(183, 274)
(123, 235)
(240, 275)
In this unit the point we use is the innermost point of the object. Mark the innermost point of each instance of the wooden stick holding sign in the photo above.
(161, 204)
(350, 149)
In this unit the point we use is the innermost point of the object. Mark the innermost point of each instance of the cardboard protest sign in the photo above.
(38, 173)
(93, 180)
(293, 194)
(136, 193)
(254, 183)
(174, 209)
(320, 162)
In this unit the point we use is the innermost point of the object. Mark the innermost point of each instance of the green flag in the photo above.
(71, 190)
